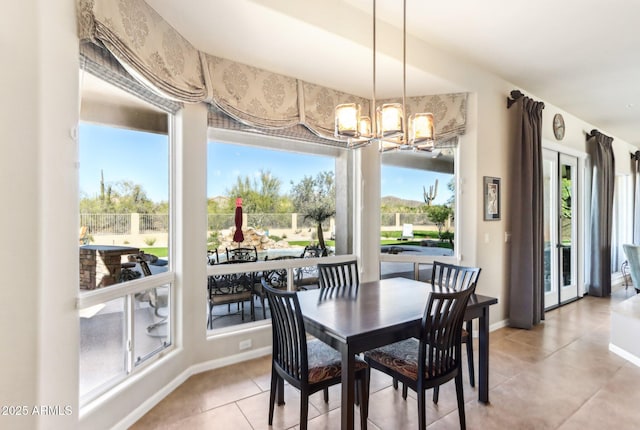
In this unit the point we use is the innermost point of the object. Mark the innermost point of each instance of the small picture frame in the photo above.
(491, 190)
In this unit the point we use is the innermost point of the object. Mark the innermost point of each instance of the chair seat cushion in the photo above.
(402, 357)
(325, 362)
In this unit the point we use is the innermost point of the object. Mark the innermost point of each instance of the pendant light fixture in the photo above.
(391, 128)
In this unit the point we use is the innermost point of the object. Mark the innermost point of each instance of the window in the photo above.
(125, 291)
(286, 196)
(622, 228)
(418, 202)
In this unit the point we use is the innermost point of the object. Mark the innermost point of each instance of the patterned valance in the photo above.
(220, 120)
(146, 45)
(155, 54)
(253, 96)
(99, 62)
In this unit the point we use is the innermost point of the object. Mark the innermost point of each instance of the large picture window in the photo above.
(418, 207)
(287, 202)
(124, 236)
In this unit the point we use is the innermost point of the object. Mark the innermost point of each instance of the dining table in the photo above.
(378, 313)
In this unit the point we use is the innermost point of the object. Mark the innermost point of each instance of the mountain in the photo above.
(391, 201)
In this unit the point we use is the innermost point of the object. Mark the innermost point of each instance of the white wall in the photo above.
(19, 219)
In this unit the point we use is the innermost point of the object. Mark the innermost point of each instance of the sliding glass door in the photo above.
(560, 228)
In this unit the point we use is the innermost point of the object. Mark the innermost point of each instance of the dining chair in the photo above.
(337, 279)
(435, 357)
(458, 278)
(308, 365)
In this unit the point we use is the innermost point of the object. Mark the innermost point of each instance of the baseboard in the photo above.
(624, 354)
(152, 401)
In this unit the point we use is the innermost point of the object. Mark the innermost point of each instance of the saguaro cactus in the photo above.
(431, 195)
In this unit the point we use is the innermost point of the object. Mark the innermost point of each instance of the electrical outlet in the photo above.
(245, 344)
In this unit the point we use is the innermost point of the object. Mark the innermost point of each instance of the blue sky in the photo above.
(142, 158)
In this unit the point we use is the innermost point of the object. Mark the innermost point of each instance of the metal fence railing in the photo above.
(151, 223)
(106, 223)
(156, 223)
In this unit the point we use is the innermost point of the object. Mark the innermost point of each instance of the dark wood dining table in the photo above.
(378, 313)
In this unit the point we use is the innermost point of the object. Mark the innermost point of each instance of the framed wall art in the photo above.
(492, 196)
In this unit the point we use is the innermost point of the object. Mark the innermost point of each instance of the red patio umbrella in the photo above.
(238, 236)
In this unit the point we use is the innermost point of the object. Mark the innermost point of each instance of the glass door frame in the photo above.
(581, 211)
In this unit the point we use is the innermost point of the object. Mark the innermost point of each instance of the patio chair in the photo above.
(212, 257)
(407, 232)
(435, 357)
(158, 298)
(230, 288)
(276, 278)
(309, 366)
(242, 254)
(308, 276)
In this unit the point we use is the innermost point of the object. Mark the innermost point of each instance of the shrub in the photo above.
(149, 241)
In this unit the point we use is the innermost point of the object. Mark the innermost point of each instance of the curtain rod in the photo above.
(515, 95)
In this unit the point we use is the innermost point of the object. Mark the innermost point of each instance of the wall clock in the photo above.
(558, 126)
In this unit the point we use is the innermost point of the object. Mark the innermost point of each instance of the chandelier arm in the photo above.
(373, 113)
(404, 73)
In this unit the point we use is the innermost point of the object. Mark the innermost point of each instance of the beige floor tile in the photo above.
(559, 375)
(228, 417)
(256, 409)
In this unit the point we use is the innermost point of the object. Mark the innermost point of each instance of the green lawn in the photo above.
(158, 252)
(390, 238)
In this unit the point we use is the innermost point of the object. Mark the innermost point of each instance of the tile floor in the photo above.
(559, 375)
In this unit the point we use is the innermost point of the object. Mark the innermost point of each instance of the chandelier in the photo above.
(392, 129)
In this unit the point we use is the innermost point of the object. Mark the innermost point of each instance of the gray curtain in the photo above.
(526, 286)
(635, 170)
(601, 213)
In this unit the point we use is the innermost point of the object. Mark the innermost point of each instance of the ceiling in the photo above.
(579, 55)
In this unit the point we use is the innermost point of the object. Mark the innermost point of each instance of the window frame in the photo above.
(127, 290)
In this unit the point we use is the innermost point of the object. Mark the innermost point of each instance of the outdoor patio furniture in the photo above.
(158, 298)
(242, 254)
(276, 278)
(308, 276)
(231, 288)
(212, 257)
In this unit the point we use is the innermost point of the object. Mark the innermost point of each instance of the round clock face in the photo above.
(558, 126)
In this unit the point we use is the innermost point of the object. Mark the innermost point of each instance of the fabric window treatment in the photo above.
(526, 286)
(146, 45)
(156, 55)
(99, 62)
(600, 149)
(254, 96)
(220, 120)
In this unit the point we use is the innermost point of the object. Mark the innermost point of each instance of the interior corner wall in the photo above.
(19, 190)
